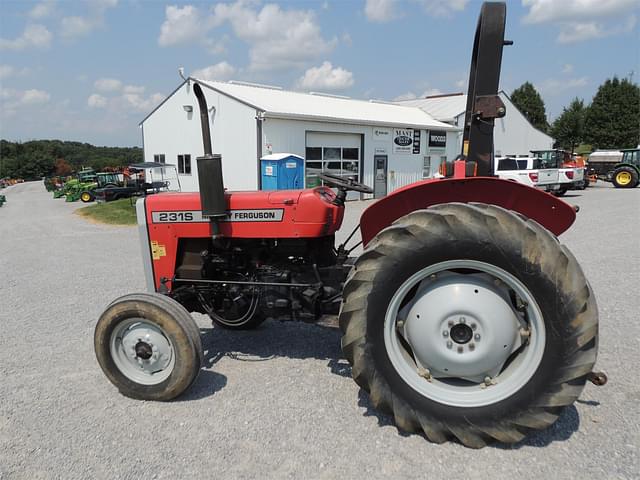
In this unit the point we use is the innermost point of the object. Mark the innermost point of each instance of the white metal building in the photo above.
(336, 134)
(513, 134)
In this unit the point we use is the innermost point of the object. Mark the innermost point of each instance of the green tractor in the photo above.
(103, 180)
(65, 188)
(626, 174)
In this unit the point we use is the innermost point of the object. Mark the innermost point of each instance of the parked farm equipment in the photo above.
(142, 179)
(3, 200)
(464, 317)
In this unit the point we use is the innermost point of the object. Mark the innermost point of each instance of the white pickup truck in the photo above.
(521, 170)
(531, 171)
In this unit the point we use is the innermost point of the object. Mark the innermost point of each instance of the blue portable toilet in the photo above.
(282, 171)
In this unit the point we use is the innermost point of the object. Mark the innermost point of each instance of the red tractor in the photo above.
(464, 317)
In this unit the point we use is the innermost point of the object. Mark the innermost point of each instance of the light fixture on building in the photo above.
(188, 108)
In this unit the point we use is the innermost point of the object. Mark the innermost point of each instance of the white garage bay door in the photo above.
(333, 153)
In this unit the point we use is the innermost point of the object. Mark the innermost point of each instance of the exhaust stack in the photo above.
(212, 197)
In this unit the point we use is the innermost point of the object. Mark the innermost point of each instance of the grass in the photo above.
(119, 212)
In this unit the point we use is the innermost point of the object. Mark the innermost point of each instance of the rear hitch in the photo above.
(598, 378)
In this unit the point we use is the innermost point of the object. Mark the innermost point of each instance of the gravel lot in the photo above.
(277, 402)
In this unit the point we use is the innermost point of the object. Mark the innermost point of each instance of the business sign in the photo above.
(402, 140)
(381, 134)
(437, 139)
(416, 142)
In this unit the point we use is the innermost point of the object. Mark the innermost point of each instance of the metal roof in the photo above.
(275, 103)
(441, 107)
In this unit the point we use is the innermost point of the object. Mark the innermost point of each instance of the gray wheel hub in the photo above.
(464, 333)
(461, 326)
(142, 351)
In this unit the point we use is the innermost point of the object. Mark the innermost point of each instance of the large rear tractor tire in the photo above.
(625, 177)
(469, 322)
(148, 346)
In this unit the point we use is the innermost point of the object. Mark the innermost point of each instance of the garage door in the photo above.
(333, 153)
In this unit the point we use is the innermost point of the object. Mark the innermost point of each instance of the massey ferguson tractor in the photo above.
(464, 317)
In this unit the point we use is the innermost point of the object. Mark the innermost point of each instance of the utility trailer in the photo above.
(464, 318)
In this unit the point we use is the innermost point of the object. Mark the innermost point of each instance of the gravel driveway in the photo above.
(277, 402)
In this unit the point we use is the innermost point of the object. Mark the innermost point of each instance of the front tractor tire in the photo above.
(148, 346)
(87, 197)
(625, 177)
(469, 322)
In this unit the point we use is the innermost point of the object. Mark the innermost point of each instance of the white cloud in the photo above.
(554, 86)
(549, 11)
(567, 68)
(582, 20)
(443, 8)
(140, 104)
(133, 89)
(31, 97)
(461, 84)
(277, 38)
(182, 26)
(573, 32)
(382, 11)
(78, 26)
(33, 36)
(6, 71)
(24, 97)
(219, 71)
(97, 101)
(42, 9)
(405, 96)
(326, 77)
(107, 85)
(412, 96)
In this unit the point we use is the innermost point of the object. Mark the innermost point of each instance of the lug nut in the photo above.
(472, 346)
(450, 323)
(473, 326)
(445, 334)
(463, 320)
(476, 337)
(449, 344)
(460, 349)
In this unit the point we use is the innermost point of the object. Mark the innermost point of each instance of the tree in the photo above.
(613, 119)
(568, 128)
(63, 168)
(530, 103)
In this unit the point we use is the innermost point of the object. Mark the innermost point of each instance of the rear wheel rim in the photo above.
(412, 346)
(142, 351)
(623, 178)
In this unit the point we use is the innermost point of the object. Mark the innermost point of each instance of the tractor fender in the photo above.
(618, 165)
(550, 212)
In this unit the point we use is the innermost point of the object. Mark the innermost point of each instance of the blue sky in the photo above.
(91, 70)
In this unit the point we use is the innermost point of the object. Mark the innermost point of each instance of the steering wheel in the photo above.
(346, 183)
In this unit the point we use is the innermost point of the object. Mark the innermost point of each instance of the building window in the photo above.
(314, 153)
(343, 162)
(159, 158)
(184, 164)
(426, 167)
